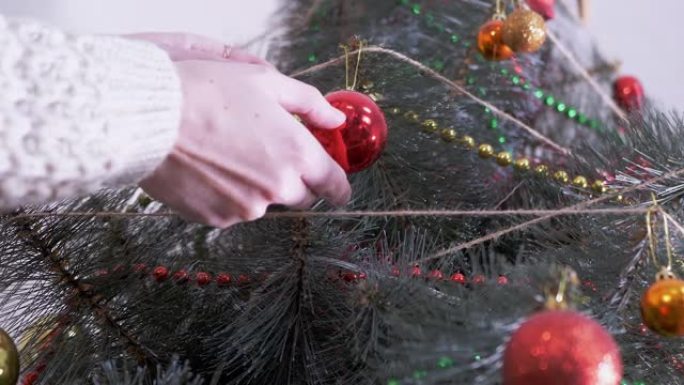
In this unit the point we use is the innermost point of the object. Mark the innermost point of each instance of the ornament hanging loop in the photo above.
(665, 271)
(350, 81)
(567, 284)
(500, 11)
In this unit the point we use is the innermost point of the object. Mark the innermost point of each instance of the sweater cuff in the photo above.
(141, 99)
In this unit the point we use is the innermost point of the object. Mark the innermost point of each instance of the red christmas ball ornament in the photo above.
(203, 278)
(160, 273)
(546, 8)
(181, 276)
(459, 278)
(562, 348)
(436, 275)
(358, 143)
(628, 93)
(223, 279)
(140, 268)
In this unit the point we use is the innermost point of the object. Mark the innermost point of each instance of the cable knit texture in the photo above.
(78, 113)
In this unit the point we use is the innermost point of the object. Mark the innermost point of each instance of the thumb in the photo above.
(306, 101)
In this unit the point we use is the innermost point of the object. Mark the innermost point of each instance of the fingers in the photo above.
(322, 175)
(183, 46)
(242, 56)
(305, 100)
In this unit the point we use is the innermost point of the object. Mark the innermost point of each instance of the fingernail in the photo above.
(339, 120)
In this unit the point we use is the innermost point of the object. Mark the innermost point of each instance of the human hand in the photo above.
(185, 46)
(240, 149)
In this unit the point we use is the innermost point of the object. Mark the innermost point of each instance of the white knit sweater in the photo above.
(80, 112)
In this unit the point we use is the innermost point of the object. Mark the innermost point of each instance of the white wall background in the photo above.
(644, 35)
(232, 20)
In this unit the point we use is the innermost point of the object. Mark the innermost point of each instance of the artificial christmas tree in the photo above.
(497, 176)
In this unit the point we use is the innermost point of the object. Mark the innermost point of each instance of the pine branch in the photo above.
(82, 293)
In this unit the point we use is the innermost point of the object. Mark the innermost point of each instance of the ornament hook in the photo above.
(666, 271)
(500, 12)
(359, 45)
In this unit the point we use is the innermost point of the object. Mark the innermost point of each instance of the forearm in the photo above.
(78, 113)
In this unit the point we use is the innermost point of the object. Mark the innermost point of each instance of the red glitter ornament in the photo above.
(562, 348)
(181, 276)
(358, 143)
(436, 275)
(160, 273)
(459, 278)
(350, 276)
(546, 8)
(416, 271)
(628, 93)
(479, 279)
(203, 278)
(140, 268)
(30, 378)
(502, 280)
(223, 279)
(243, 279)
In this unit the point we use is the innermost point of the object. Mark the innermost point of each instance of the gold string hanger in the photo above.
(500, 11)
(665, 272)
(561, 298)
(357, 45)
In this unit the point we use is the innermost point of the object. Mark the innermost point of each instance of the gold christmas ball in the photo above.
(448, 134)
(662, 307)
(524, 31)
(430, 125)
(522, 164)
(542, 170)
(9, 360)
(504, 159)
(561, 177)
(599, 186)
(411, 116)
(580, 182)
(490, 44)
(468, 141)
(485, 151)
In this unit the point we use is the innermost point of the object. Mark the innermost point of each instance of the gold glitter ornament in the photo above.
(524, 31)
(411, 116)
(522, 164)
(580, 182)
(468, 141)
(542, 170)
(599, 186)
(448, 134)
(9, 360)
(504, 159)
(485, 151)
(562, 177)
(429, 125)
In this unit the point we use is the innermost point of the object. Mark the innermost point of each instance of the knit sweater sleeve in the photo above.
(78, 113)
